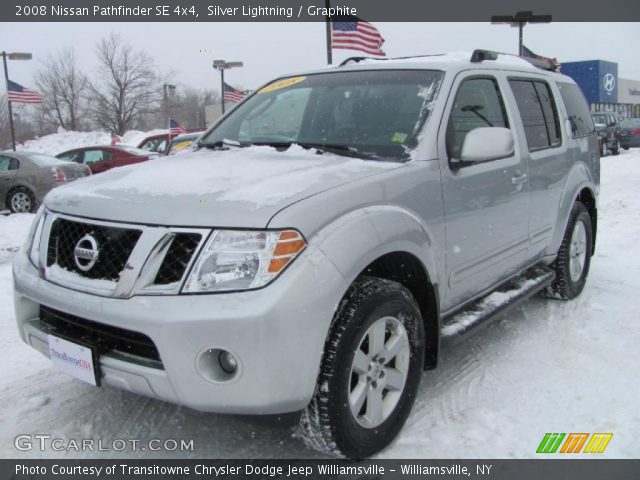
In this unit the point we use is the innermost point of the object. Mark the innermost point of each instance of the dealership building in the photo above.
(604, 90)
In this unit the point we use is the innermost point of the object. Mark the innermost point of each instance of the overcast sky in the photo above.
(272, 49)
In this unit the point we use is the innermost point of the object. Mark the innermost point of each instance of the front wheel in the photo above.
(370, 371)
(574, 257)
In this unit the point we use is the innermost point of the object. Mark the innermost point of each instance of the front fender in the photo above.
(356, 239)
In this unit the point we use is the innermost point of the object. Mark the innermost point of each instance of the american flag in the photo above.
(232, 94)
(528, 53)
(19, 94)
(175, 128)
(357, 35)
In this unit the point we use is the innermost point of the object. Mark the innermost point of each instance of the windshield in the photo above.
(370, 114)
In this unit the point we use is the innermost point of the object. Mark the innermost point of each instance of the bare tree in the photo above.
(63, 87)
(125, 86)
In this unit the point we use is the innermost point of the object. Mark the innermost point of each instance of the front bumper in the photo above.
(277, 334)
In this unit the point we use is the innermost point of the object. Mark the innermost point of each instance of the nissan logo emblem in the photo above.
(609, 82)
(86, 253)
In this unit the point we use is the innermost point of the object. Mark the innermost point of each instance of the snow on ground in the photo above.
(64, 140)
(549, 366)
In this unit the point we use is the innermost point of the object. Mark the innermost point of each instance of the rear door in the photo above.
(485, 203)
(548, 157)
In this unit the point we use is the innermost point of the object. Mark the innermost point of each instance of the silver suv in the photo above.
(321, 242)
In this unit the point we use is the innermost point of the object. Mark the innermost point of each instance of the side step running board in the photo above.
(497, 303)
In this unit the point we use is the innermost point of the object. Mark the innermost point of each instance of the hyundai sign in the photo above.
(597, 79)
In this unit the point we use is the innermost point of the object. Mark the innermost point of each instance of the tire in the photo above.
(616, 150)
(21, 200)
(575, 251)
(371, 306)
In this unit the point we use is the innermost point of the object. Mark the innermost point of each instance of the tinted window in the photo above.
(94, 156)
(478, 104)
(577, 109)
(6, 164)
(72, 156)
(366, 113)
(538, 113)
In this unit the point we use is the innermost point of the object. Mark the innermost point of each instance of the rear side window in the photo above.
(95, 156)
(538, 113)
(577, 109)
(478, 103)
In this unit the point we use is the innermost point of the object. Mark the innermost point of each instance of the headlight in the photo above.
(241, 260)
(32, 245)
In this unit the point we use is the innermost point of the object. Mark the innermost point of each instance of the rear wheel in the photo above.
(574, 257)
(369, 373)
(21, 200)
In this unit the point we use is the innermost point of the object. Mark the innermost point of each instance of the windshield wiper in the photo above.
(221, 145)
(345, 150)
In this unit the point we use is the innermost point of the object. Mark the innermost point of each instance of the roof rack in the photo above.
(351, 60)
(477, 56)
(544, 64)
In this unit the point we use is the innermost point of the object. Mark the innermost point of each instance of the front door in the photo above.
(485, 203)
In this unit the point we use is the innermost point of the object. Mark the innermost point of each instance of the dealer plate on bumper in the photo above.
(80, 361)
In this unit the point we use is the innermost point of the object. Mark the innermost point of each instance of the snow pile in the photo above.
(64, 140)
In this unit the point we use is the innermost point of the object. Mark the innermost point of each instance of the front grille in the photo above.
(114, 244)
(105, 337)
(177, 258)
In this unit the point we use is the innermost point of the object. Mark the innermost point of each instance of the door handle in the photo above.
(519, 179)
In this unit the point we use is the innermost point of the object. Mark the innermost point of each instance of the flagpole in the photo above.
(328, 34)
(6, 79)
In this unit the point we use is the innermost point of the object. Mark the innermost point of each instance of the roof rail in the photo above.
(544, 64)
(351, 60)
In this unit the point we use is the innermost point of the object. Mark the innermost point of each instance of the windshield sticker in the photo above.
(280, 84)
(399, 137)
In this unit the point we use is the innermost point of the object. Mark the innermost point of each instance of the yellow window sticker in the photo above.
(279, 84)
(399, 137)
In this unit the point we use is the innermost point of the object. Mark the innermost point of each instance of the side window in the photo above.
(478, 103)
(538, 113)
(577, 109)
(5, 164)
(95, 156)
(72, 157)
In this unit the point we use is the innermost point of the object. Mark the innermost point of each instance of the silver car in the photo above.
(325, 238)
(26, 177)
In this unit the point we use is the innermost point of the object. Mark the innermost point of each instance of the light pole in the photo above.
(12, 56)
(223, 65)
(520, 19)
(167, 90)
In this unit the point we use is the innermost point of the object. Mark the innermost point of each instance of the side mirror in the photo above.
(487, 143)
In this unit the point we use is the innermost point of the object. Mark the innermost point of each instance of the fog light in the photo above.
(228, 362)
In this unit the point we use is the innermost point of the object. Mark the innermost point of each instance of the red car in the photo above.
(102, 158)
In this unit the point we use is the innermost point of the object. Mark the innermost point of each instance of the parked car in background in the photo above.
(26, 177)
(182, 142)
(608, 132)
(155, 143)
(630, 133)
(102, 158)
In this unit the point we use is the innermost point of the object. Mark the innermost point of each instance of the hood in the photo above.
(241, 187)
